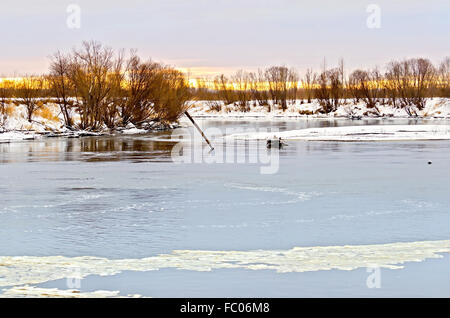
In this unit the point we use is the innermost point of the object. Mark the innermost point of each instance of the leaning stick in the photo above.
(199, 130)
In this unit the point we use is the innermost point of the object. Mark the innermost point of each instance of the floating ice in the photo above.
(29, 270)
(357, 133)
(30, 291)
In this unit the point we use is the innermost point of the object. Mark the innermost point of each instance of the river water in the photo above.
(124, 198)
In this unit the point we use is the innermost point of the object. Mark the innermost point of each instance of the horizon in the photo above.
(197, 37)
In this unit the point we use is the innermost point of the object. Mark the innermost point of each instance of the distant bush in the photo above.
(402, 84)
(306, 112)
(214, 105)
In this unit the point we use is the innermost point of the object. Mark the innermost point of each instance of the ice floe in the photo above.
(32, 270)
(356, 133)
(36, 292)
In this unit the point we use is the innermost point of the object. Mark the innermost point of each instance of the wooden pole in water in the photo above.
(199, 130)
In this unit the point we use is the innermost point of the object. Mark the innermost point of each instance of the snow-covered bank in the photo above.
(435, 108)
(16, 135)
(49, 122)
(356, 133)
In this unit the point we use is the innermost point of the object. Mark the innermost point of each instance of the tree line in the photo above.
(402, 84)
(95, 86)
(102, 87)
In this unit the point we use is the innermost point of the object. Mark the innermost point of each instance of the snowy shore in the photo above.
(356, 133)
(435, 108)
(48, 122)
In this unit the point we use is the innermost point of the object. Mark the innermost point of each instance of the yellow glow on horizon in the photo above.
(11, 79)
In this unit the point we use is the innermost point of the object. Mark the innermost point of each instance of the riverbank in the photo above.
(356, 133)
(48, 122)
(435, 108)
(24, 135)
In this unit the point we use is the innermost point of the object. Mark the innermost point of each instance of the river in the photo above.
(123, 197)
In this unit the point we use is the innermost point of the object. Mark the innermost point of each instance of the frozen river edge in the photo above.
(356, 133)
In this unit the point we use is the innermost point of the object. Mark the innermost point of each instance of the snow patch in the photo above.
(29, 270)
(356, 133)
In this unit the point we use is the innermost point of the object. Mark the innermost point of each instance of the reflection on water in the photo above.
(158, 146)
(102, 148)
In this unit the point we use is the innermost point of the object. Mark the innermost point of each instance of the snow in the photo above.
(17, 135)
(356, 133)
(435, 108)
(32, 270)
(37, 292)
(130, 129)
(16, 127)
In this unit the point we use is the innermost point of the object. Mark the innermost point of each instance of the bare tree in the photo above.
(171, 94)
(322, 92)
(308, 83)
(259, 88)
(336, 84)
(60, 86)
(241, 82)
(140, 80)
(223, 87)
(366, 85)
(29, 91)
(277, 78)
(423, 75)
(293, 79)
(409, 80)
(330, 89)
(89, 71)
(444, 77)
(116, 98)
(357, 84)
(5, 94)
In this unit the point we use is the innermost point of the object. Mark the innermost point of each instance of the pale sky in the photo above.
(213, 36)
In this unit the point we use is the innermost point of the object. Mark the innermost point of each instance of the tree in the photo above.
(89, 71)
(241, 81)
(277, 78)
(365, 85)
(29, 91)
(423, 75)
(141, 79)
(60, 86)
(170, 95)
(336, 85)
(409, 80)
(258, 88)
(444, 77)
(293, 79)
(223, 86)
(323, 93)
(329, 89)
(308, 83)
(5, 94)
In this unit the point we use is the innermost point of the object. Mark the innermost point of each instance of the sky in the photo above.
(206, 37)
